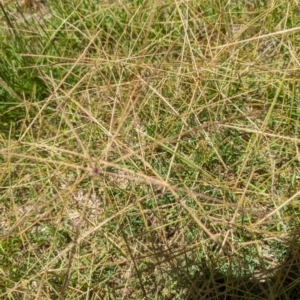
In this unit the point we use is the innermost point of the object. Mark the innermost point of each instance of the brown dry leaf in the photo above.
(32, 5)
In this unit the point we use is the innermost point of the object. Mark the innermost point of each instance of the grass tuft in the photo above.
(149, 150)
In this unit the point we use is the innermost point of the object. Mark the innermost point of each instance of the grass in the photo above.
(149, 150)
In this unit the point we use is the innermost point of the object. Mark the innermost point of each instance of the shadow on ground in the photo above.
(280, 284)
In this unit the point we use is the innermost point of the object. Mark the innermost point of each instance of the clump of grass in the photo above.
(150, 150)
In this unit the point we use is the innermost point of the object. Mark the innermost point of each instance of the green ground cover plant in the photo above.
(149, 149)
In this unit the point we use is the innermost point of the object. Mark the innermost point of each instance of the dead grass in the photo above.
(150, 151)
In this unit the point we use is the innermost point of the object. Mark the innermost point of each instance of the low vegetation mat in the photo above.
(149, 149)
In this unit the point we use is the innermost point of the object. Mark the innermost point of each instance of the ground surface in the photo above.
(149, 149)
